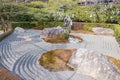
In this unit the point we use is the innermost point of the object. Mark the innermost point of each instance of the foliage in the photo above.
(49, 11)
(24, 17)
(51, 24)
(100, 13)
(36, 4)
(119, 21)
(24, 24)
(117, 32)
(12, 9)
(80, 13)
(9, 11)
(64, 35)
(88, 26)
(57, 12)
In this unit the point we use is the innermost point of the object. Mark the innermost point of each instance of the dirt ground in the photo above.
(115, 61)
(6, 75)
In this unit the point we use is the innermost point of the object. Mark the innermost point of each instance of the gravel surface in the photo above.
(21, 56)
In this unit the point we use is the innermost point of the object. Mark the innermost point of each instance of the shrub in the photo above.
(64, 35)
(88, 26)
(36, 4)
(12, 8)
(117, 32)
(81, 13)
(9, 11)
(25, 25)
(51, 24)
(24, 17)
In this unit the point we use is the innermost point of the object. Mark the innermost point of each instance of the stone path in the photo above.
(21, 57)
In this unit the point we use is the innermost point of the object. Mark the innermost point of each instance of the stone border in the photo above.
(5, 34)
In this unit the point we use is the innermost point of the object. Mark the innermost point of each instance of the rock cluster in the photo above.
(94, 64)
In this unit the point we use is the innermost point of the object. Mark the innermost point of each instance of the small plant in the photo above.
(64, 35)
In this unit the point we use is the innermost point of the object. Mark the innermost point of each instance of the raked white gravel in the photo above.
(21, 56)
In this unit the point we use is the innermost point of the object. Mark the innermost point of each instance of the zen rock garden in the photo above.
(59, 40)
(78, 59)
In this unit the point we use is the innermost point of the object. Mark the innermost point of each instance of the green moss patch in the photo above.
(56, 60)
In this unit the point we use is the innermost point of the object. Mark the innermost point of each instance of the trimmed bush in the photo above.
(25, 25)
(88, 26)
(51, 24)
(24, 17)
(117, 32)
(12, 8)
(36, 4)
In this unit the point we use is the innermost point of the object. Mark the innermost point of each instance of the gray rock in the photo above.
(53, 32)
(94, 64)
(19, 30)
(68, 23)
(104, 31)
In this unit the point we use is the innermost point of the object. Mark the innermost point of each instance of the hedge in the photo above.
(23, 17)
(51, 24)
(117, 32)
(25, 25)
(28, 25)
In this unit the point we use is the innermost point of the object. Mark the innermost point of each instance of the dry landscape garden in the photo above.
(59, 39)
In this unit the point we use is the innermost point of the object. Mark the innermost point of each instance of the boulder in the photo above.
(52, 32)
(19, 30)
(94, 64)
